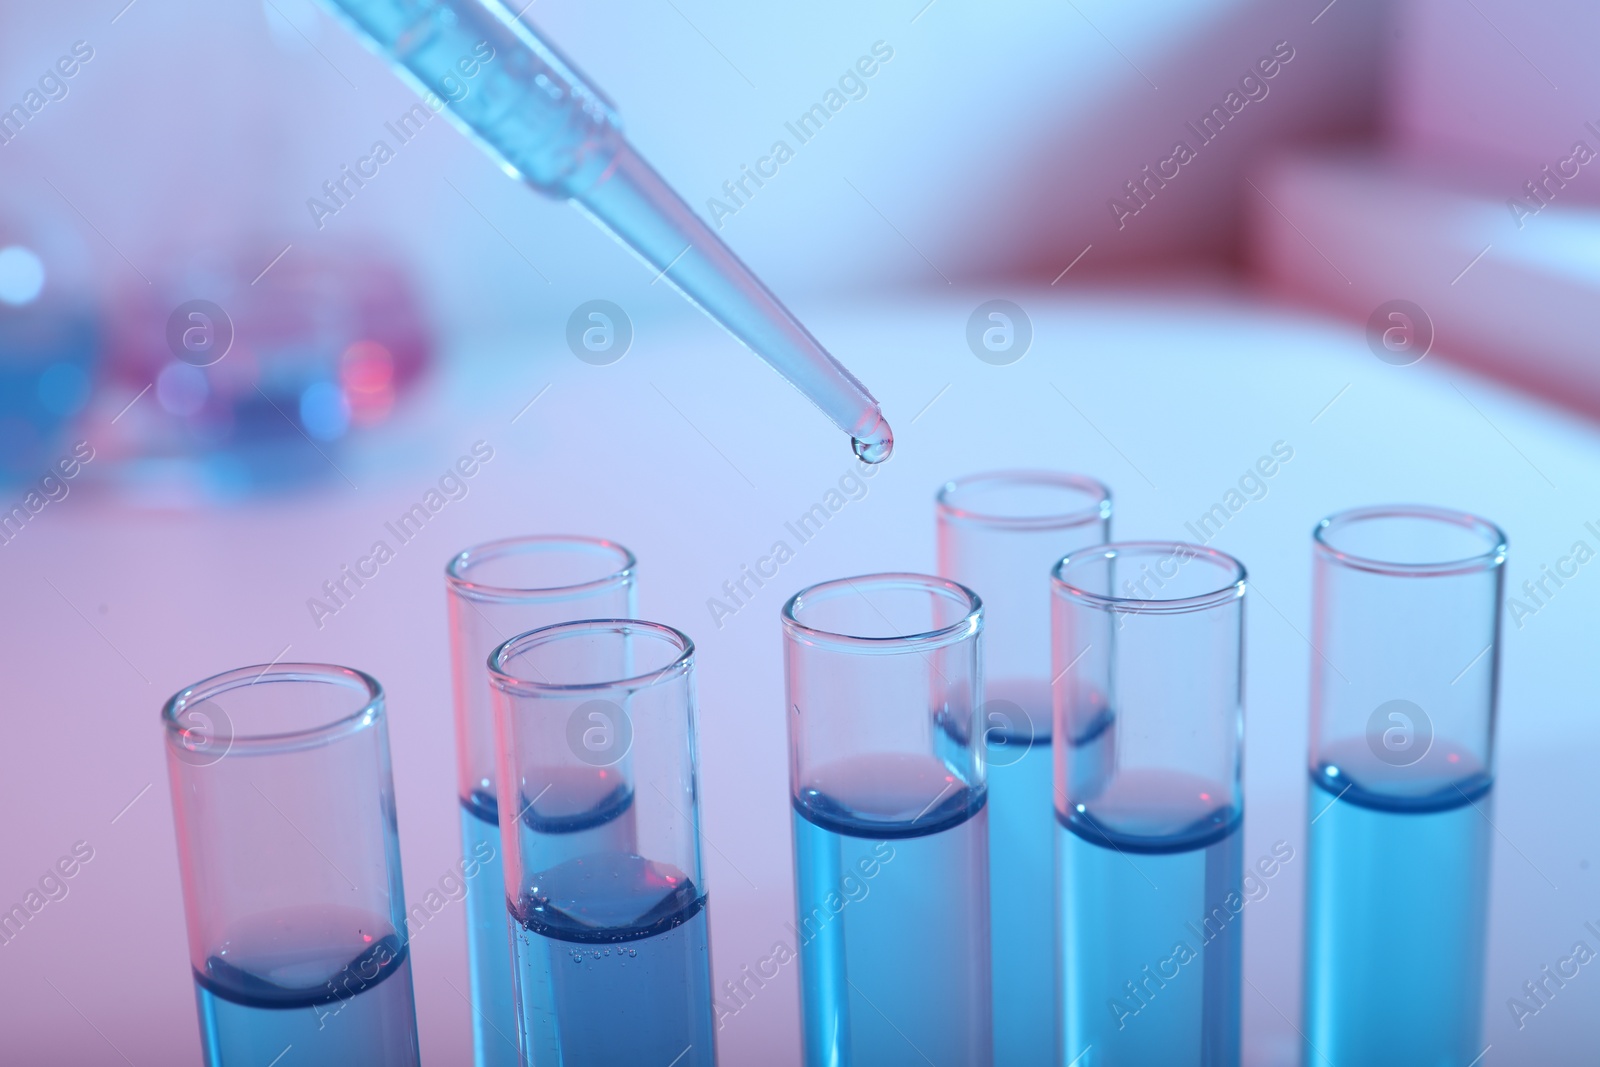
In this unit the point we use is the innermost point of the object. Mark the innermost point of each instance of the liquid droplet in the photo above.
(877, 445)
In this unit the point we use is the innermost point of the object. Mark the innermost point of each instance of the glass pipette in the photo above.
(531, 110)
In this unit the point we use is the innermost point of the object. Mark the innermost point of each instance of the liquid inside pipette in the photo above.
(530, 110)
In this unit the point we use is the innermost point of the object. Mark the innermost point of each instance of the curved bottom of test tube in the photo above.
(877, 446)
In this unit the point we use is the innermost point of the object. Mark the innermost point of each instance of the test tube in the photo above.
(595, 725)
(891, 834)
(497, 590)
(1406, 631)
(1000, 534)
(1147, 658)
(290, 859)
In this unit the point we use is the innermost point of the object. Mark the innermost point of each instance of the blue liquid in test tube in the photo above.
(496, 590)
(331, 982)
(606, 896)
(906, 947)
(890, 823)
(1000, 534)
(1153, 949)
(602, 927)
(1405, 617)
(1147, 643)
(290, 858)
(1022, 876)
(494, 1029)
(1401, 880)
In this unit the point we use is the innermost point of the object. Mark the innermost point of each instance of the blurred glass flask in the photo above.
(257, 382)
(52, 336)
(528, 107)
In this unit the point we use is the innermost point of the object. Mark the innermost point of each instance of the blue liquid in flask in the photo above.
(1397, 882)
(494, 1004)
(612, 956)
(327, 985)
(891, 856)
(1151, 947)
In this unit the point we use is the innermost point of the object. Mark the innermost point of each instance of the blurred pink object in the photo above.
(256, 377)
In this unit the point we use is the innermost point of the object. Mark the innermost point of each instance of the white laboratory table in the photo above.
(695, 455)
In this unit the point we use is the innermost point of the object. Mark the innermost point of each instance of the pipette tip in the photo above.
(877, 445)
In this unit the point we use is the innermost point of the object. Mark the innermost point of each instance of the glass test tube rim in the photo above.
(456, 570)
(970, 622)
(1232, 589)
(507, 682)
(1494, 537)
(365, 716)
(1098, 511)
